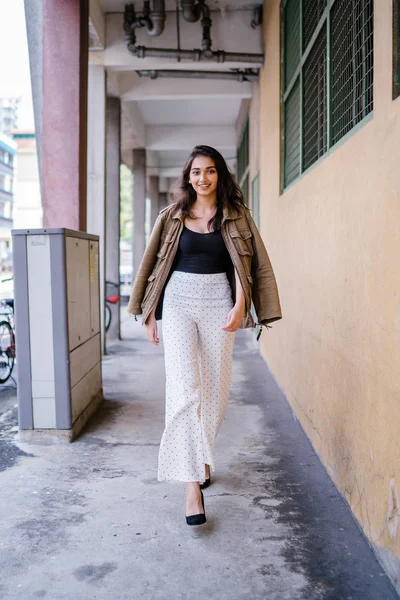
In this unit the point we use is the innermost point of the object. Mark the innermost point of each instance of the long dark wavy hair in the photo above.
(229, 193)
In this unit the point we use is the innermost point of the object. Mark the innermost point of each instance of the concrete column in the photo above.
(164, 187)
(58, 39)
(153, 192)
(139, 205)
(163, 199)
(96, 170)
(34, 31)
(113, 161)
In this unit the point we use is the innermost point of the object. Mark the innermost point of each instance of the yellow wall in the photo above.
(334, 242)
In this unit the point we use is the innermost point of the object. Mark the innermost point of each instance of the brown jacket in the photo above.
(248, 254)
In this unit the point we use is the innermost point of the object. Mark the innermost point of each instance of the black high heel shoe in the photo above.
(197, 519)
(207, 481)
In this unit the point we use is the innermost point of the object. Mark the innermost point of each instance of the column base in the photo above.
(63, 435)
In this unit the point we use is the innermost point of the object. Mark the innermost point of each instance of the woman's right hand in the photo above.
(151, 328)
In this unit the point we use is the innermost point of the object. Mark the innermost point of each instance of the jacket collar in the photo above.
(228, 213)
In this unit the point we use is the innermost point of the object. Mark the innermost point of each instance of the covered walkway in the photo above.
(306, 111)
(89, 519)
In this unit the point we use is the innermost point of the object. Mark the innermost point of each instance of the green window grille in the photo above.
(243, 162)
(396, 48)
(352, 66)
(315, 140)
(312, 13)
(292, 134)
(327, 72)
(292, 39)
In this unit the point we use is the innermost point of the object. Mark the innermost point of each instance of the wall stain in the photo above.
(393, 510)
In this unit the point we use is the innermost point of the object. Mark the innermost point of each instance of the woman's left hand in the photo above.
(234, 318)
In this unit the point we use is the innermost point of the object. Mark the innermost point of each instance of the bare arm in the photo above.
(240, 300)
(151, 328)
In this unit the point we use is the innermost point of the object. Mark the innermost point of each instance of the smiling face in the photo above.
(203, 176)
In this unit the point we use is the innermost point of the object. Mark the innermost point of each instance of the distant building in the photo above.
(8, 150)
(28, 211)
(9, 114)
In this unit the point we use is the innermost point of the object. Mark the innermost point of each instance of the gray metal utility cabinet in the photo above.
(57, 311)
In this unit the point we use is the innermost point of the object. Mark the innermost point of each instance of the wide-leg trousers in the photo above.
(198, 368)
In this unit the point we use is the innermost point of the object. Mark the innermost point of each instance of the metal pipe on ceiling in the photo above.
(231, 76)
(257, 16)
(196, 55)
(206, 26)
(157, 17)
(153, 20)
(191, 10)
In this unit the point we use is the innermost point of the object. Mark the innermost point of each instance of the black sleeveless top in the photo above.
(201, 253)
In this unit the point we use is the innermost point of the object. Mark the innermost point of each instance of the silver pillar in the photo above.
(113, 161)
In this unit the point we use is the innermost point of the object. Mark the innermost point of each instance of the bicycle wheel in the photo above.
(7, 351)
(107, 317)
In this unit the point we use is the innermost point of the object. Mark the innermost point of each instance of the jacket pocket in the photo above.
(165, 245)
(242, 240)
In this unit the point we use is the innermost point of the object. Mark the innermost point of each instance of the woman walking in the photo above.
(203, 266)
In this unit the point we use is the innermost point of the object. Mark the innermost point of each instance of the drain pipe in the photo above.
(155, 24)
(191, 10)
(155, 18)
(233, 76)
(257, 16)
(152, 20)
(196, 55)
(206, 25)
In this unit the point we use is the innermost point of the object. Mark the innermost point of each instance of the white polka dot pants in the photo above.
(198, 367)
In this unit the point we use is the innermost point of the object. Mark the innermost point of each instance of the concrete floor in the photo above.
(89, 519)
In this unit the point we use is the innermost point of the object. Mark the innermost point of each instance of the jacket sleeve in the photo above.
(145, 268)
(265, 290)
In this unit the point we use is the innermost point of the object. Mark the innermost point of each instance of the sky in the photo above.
(14, 59)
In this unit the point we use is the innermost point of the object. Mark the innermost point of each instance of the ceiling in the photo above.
(168, 117)
(170, 5)
(189, 112)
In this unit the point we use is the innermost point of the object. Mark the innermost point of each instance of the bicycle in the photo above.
(110, 299)
(7, 339)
